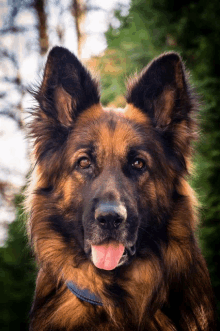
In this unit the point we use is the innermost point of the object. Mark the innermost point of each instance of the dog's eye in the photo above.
(138, 164)
(84, 162)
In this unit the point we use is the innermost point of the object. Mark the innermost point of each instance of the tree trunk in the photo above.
(42, 18)
(79, 13)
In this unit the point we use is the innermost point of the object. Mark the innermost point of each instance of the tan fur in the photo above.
(166, 285)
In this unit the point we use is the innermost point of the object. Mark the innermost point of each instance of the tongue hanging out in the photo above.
(107, 256)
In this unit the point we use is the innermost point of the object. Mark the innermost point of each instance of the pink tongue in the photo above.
(107, 256)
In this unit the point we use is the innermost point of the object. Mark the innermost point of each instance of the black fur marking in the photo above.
(58, 224)
(40, 302)
(46, 300)
(116, 293)
(176, 158)
(51, 137)
(149, 241)
(71, 233)
(44, 190)
(112, 124)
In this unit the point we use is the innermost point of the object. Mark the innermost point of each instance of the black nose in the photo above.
(110, 215)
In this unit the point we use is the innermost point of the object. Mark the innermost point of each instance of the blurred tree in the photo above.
(192, 28)
(10, 74)
(17, 276)
(39, 5)
(79, 10)
(17, 270)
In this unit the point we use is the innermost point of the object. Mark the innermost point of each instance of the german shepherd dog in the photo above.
(112, 217)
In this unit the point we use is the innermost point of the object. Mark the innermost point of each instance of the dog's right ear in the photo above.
(66, 91)
(67, 88)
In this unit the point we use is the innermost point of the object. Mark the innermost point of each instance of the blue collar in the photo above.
(84, 295)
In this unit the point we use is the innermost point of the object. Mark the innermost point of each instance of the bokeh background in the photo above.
(114, 39)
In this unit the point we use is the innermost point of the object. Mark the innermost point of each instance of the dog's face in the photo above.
(114, 162)
(107, 177)
(110, 161)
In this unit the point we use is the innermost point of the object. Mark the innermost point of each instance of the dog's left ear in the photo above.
(67, 88)
(161, 92)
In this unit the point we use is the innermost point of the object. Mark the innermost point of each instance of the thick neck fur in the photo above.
(131, 298)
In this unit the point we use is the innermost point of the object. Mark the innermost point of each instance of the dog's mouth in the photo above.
(110, 255)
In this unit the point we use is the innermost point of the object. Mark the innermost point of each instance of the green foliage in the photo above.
(17, 274)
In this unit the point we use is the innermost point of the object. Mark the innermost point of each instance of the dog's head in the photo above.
(106, 179)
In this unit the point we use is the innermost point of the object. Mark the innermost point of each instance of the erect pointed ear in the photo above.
(66, 91)
(161, 91)
(67, 88)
